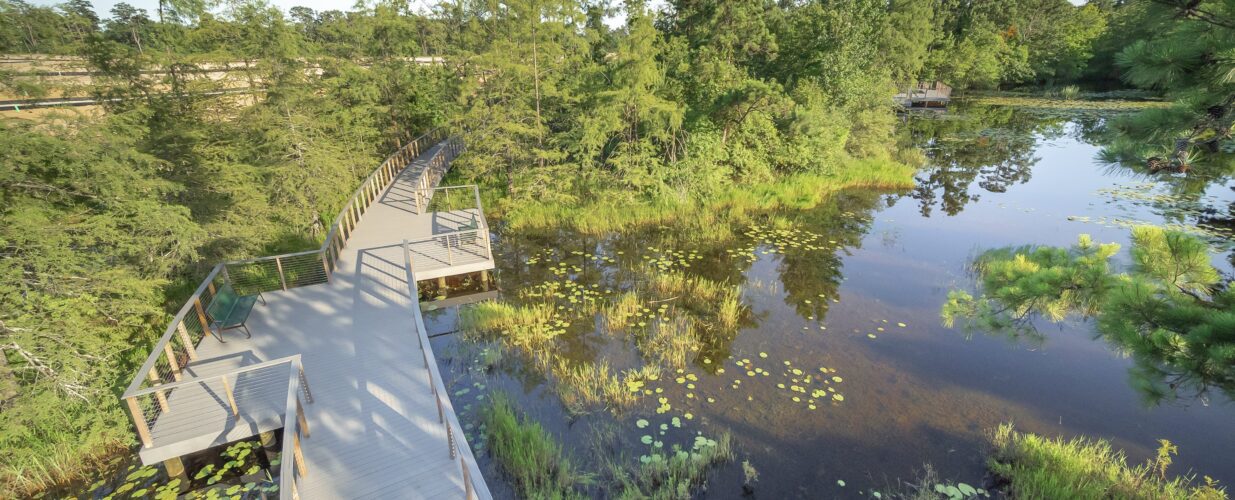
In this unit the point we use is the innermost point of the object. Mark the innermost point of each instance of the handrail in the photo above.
(171, 330)
(165, 362)
(445, 410)
(176, 348)
(414, 147)
(292, 460)
(206, 378)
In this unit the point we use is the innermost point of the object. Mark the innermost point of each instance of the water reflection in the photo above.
(853, 285)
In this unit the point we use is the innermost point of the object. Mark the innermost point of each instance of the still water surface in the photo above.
(914, 394)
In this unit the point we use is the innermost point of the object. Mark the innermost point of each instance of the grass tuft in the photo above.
(1040, 467)
(525, 451)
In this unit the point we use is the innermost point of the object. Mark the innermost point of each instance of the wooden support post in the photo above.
(441, 282)
(301, 420)
(139, 421)
(153, 375)
(300, 465)
(186, 340)
(172, 361)
(201, 314)
(269, 440)
(210, 286)
(231, 398)
(175, 470)
(278, 263)
(326, 263)
(468, 494)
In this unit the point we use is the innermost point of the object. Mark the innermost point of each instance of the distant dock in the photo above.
(925, 95)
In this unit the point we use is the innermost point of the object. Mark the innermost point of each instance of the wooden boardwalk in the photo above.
(374, 429)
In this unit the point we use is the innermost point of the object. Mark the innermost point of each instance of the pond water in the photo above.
(856, 291)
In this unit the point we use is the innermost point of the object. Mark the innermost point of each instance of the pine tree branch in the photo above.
(1190, 9)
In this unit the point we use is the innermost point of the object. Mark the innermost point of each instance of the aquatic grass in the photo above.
(524, 326)
(58, 463)
(729, 308)
(1040, 467)
(670, 343)
(697, 290)
(584, 387)
(613, 210)
(618, 314)
(526, 452)
(674, 473)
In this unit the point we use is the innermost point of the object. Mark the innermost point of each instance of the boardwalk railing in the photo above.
(293, 466)
(241, 394)
(176, 349)
(456, 441)
(451, 198)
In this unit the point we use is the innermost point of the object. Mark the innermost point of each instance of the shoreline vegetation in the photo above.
(612, 210)
(1031, 466)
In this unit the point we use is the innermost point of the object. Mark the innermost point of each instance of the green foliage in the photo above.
(1183, 54)
(1039, 467)
(533, 458)
(1170, 312)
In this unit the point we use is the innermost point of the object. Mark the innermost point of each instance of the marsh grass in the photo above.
(525, 451)
(1040, 467)
(616, 210)
(527, 327)
(584, 387)
(675, 473)
(57, 465)
(730, 309)
(670, 343)
(620, 312)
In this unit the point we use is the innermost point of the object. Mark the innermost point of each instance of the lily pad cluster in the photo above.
(807, 387)
(665, 259)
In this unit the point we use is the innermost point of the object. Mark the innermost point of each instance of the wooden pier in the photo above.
(339, 360)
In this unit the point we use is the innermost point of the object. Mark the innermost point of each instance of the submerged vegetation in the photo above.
(1033, 466)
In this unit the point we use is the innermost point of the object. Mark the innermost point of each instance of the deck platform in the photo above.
(373, 422)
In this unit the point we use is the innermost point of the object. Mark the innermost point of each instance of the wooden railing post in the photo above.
(231, 398)
(186, 340)
(301, 420)
(172, 361)
(299, 455)
(139, 421)
(450, 258)
(155, 380)
(468, 493)
(201, 314)
(278, 263)
(326, 263)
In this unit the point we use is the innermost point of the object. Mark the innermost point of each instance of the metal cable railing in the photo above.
(456, 442)
(176, 349)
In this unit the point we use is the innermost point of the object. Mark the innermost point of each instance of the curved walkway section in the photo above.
(373, 426)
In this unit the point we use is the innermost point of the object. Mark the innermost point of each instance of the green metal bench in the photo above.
(229, 310)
